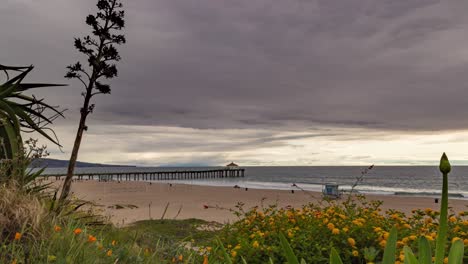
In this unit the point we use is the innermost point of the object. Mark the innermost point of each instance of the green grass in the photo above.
(171, 231)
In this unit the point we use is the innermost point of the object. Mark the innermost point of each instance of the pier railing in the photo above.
(156, 175)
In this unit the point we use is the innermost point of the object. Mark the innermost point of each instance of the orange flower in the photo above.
(18, 236)
(205, 259)
(114, 242)
(181, 258)
(57, 228)
(91, 239)
(77, 231)
(109, 253)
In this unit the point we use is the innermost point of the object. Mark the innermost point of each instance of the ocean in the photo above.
(387, 180)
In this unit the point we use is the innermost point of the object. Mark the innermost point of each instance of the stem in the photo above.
(442, 235)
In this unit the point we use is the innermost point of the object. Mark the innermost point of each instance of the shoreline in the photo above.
(211, 203)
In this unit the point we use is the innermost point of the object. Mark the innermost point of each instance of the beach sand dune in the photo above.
(189, 201)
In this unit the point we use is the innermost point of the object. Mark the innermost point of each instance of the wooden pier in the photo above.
(157, 175)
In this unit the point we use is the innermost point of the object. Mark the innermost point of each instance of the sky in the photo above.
(258, 82)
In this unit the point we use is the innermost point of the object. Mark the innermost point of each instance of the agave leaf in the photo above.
(26, 86)
(12, 68)
(12, 139)
(409, 256)
(20, 76)
(243, 260)
(456, 253)
(425, 254)
(227, 259)
(390, 249)
(7, 90)
(288, 252)
(30, 122)
(39, 102)
(11, 115)
(334, 257)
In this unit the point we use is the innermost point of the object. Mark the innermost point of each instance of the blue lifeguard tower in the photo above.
(330, 190)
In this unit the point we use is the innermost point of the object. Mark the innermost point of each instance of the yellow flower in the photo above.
(412, 237)
(330, 226)
(91, 239)
(345, 229)
(18, 236)
(51, 258)
(377, 229)
(237, 247)
(233, 254)
(255, 244)
(383, 243)
(181, 257)
(445, 260)
(355, 253)
(290, 234)
(208, 249)
(109, 253)
(57, 228)
(385, 235)
(335, 231)
(452, 219)
(430, 238)
(351, 242)
(455, 239)
(465, 241)
(77, 231)
(114, 242)
(14, 261)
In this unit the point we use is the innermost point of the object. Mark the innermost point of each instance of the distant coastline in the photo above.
(56, 163)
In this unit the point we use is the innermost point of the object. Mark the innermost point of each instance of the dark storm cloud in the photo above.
(279, 65)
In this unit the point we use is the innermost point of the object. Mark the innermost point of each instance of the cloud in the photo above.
(284, 67)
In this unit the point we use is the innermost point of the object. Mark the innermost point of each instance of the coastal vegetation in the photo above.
(34, 229)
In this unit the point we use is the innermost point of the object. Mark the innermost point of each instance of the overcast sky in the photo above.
(259, 82)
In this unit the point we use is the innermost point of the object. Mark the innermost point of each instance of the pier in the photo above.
(157, 175)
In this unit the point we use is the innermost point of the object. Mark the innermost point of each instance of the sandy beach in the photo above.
(191, 200)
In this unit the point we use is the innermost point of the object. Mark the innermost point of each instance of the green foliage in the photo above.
(390, 248)
(19, 112)
(288, 252)
(334, 257)
(425, 252)
(425, 257)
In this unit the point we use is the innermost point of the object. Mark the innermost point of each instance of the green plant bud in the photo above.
(444, 164)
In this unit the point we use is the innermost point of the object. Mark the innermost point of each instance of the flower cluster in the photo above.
(354, 226)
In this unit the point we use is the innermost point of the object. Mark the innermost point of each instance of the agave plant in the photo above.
(22, 113)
